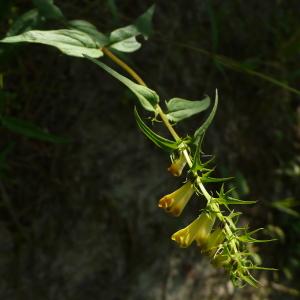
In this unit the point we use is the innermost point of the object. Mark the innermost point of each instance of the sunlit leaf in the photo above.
(70, 42)
(81, 25)
(147, 97)
(180, 109)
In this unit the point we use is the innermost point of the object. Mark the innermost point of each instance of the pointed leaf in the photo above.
(213, 179)
(180, 109)
(144, 22)
(202, 129)
(71, 42)
(158, 140)
(233, 201)
(29, 130)
(25, 22)
(147, 97)
(48, 9)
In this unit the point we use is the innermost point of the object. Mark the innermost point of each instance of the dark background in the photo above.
(80, 220)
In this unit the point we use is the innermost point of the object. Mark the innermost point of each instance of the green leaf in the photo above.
(158, 140)
(144, 22)
(124, 39)
(48, 9)
(202, 129)
(84, 26)
(113, 9)
(180, 109)
(29, 130)
(25, 22)
(234, 201)
(70, 42)
(147, 97)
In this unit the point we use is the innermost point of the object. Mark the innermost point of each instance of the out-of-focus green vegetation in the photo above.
(249, 51)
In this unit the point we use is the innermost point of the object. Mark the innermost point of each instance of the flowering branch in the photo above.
(214, 231)
(225, 245)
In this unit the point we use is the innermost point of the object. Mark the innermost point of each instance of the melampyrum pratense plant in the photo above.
(215, 230)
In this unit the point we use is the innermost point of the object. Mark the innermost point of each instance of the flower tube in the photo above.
(199, 229)
(175, 202)
(213, 242)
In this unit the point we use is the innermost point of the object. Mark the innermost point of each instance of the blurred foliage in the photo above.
(249, 50)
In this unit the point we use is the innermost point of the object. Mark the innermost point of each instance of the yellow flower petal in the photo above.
(175, 202)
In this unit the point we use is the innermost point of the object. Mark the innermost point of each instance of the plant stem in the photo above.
(139, 80)
(169, 126)
(123, 65)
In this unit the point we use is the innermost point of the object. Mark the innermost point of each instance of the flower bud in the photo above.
(175, 202)
(177, 165)
(197, 230)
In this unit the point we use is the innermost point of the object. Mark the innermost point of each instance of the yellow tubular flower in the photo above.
(177, 165)
(175, 202)
(213, 241)
(203, 233)
(199, 228)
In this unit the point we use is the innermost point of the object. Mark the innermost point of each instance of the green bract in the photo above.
(158, 140)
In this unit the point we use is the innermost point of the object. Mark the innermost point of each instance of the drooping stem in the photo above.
(169, 126)
(123, 65)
